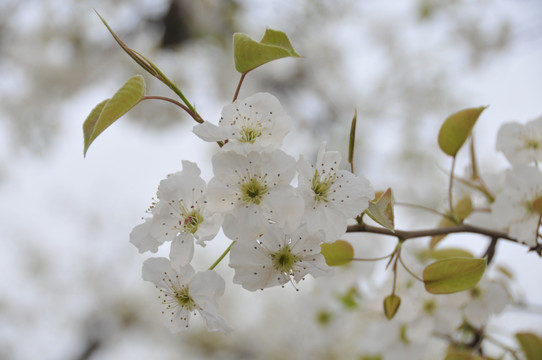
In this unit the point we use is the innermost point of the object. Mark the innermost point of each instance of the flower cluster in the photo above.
(517, 208)
(277, 229)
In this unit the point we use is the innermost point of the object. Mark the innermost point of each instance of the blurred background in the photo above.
(70, 282)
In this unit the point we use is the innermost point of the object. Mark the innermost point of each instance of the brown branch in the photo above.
(411, 234)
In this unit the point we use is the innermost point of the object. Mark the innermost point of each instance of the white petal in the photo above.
(214, 322)
(208, 229)
(211, 132)
(245, 224)
(156, 269)
(285, 207)
(142, 239)
(182, 250)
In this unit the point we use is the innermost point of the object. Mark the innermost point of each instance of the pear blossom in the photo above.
(253, 190)
(521, 144)
(256, 123)
(512, 210)
(277, 257)
(487, 298)
(179, 215)
(331, 195)
(186, 293)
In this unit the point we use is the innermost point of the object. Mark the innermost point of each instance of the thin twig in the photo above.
(409, 271)
(239, 86)
(185, 108)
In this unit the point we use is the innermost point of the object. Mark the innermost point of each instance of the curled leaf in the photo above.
(352, 141)
(249, 54)
(381, 210)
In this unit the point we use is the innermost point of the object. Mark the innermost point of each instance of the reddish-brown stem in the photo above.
(239, 86)
(184, 107)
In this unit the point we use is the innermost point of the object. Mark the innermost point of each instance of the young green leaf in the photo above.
(352, 142)
(391, 305)
(109, 111)
(453, 275)
(456, 129)
(463, 209)
(337, 253)
(381, 210)
(249, 54)
(531, 345)
(443, 223)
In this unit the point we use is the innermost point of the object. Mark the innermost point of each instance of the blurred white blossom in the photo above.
(184, 292)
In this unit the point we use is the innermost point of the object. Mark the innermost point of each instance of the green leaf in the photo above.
(381, 210)
(249, 54)
(463, 209)
(453, 275)
(337, 253)
(531, 345)
(90, 122)
(456, 129)
(109, 111)
(391, 305)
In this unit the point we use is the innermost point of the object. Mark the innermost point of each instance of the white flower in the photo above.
(487, 298)
(521, 144)
(331, 196)
(253, 190)
(275, 258)
(256, 123)
(180, 216)
(184, 293)
(512, 210)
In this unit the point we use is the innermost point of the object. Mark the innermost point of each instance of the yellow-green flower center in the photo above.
(532, 144)
(253, 191)
(283, 260)
(249, 134)
(184, 299)
(320, 186)
(192, 220)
